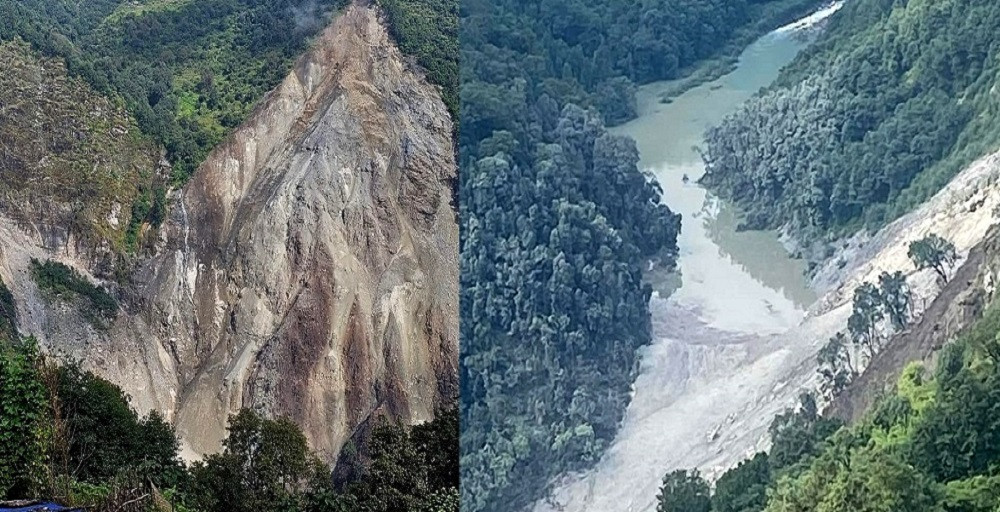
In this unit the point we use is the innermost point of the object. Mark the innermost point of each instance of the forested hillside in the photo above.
(879, 114)
(188, 71)
(558, 223)
(593, 53)
(932, 445)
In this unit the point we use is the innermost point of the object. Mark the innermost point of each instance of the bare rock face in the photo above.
(310, 268)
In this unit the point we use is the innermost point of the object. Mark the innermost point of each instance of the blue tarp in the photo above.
(40, 507)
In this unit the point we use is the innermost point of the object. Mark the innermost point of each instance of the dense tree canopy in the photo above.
(867, 123)
(591, 53)
(684, 491)
(551, 268)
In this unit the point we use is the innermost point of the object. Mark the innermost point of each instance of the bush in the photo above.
(8, 314)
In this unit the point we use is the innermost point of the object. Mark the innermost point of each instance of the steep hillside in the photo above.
(725, 415)
(882, 112)
(959, 304)
(189, 72)
(73, 165)
(928, 443)
(308, 269)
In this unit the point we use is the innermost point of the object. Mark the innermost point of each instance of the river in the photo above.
(737, 290)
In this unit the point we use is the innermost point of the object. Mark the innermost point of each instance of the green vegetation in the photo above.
(8, 313)
(22, 436)
(592, 53)
(935, 253)
(553, 302)
(558, 223)
(66, 283)
(81, 163)
(70, 435)
(931, 445)
(684, 492)
(266, 464)
(428, 30)
(885, 108)
(188, 72)
(764, 17)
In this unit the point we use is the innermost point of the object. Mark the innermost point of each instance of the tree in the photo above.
(22, 407)
(265, 464)
(437, 441)
(895, 296)
(684, 491)
(935, 253)
(405, 468)
(798, 433)
(866, 314)
(8, 314)
(835, 365)
(863, 480)
(104, 436)
(743, 488)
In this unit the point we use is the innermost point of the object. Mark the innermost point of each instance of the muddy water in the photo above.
(736, 289)
(738, 280)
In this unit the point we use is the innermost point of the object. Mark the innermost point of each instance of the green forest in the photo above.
(930, 445)
(72, 436)
(428, 31)
(558, 222)
(891, 102)
(187, 71)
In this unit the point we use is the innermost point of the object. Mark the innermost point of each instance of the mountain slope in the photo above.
(309, 269)
(71, 158)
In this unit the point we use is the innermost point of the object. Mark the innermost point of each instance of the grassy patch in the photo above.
(65, 283)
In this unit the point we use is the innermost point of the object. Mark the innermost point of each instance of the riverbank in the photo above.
(769, 17)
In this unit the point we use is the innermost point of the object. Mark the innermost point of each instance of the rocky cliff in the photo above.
(309, 268)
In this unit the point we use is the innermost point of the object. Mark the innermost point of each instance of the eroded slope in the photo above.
(308, 269)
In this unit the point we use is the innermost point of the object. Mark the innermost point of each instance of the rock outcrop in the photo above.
(309, 269)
